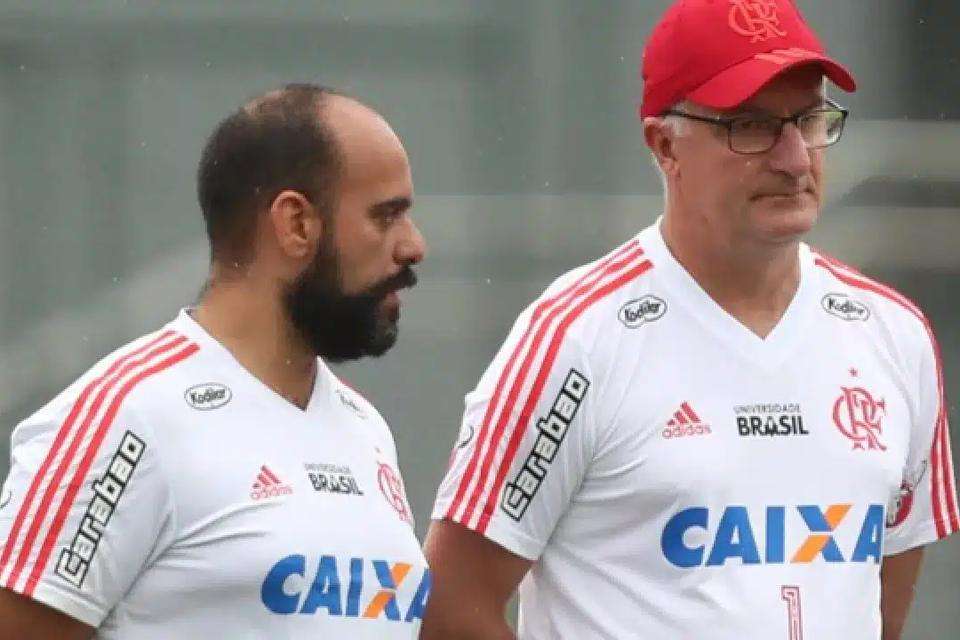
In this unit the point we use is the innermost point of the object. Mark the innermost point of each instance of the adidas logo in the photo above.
(685, 422)
(268, 485)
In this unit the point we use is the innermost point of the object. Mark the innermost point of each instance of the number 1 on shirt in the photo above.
(791, 595)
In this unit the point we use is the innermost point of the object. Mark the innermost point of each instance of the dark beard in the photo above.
(338, 326)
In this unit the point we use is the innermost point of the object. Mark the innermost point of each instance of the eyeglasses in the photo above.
(749, 135)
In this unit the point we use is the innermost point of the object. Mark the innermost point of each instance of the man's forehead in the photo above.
(358, 128)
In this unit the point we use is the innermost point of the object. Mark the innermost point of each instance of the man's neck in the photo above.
(754, 284)
(249, 321)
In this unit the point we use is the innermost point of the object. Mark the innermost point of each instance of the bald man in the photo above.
(214, 478)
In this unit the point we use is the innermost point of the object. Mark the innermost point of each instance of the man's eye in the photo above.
(388, 216)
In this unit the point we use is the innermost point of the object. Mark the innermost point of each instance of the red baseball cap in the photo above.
(719, 53)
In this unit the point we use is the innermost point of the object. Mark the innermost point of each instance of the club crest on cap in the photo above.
(755, 19)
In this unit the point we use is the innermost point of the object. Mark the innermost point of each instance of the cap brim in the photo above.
(733, 86)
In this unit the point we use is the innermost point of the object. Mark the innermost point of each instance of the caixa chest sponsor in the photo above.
(345, 587)
(733, 538)
(75, 559)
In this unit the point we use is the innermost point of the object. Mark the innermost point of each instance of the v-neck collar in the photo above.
(768, 352)
(186, 324)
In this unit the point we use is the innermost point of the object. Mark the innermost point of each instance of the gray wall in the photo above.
(519, 119)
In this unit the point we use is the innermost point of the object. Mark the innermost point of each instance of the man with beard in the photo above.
(214, 478)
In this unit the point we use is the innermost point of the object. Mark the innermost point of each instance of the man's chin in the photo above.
(383, 343)
(779, 220)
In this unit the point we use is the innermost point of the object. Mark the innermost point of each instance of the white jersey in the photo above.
(171, 494)
(672, 475)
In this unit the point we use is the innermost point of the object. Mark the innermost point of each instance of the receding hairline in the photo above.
(323, 96)
(233, 186)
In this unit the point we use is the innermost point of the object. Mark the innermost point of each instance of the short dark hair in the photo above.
(275, 142)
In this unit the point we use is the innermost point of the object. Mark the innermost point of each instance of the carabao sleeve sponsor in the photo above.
(528, 431)
(924, 508)
(87, 507)
(523, 447)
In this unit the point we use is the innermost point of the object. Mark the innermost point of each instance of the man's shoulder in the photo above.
(578, 314)
(581, 295)
(612, 274)
(117, 383)
(855, 297)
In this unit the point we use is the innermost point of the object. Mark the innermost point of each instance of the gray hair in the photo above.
(677, 125)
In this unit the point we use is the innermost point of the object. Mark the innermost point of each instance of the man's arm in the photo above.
(473, 580)
(898, 576)
(24, 619)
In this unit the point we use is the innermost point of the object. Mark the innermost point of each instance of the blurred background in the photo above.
(519, 117)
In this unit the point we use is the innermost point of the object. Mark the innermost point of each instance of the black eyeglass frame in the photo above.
(727, 123)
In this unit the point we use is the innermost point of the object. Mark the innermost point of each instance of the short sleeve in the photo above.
(525, 441)
(87, 508)
(925, 507)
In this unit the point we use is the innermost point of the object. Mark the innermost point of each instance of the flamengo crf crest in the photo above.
(392, 489)
(858, 415)
(756, 19)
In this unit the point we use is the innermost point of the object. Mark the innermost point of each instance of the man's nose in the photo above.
(790, 154)
(412, 247)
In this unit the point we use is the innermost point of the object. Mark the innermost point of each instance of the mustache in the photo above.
(403, 279)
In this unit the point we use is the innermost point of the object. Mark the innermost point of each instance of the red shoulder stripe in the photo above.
(631, 250)
(88, 413)
(42, 473)
(80, 474)
(534, 395)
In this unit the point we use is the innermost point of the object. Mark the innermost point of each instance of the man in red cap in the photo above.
(714, 431)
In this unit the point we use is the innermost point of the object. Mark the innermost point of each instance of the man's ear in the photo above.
(661, 140)
(296, 224)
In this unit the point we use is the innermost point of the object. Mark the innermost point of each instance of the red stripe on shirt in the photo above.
(937, 479)
(545, 368)
(61, 437)
(80, 474)
(505, 375)
(843, 272)
(951, 524)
